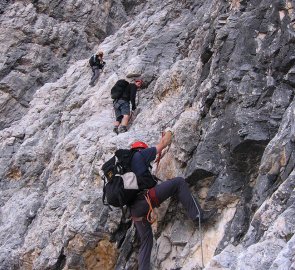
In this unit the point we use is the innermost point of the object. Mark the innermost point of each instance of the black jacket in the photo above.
(130, 95)
(96, 62)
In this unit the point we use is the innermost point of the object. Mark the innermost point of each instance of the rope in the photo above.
(149, 217)
(200, 229)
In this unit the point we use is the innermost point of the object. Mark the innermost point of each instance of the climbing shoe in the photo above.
(116, 130)
(123, 129)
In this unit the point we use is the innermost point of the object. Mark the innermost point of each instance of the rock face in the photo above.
(41, 38)
(221, 73)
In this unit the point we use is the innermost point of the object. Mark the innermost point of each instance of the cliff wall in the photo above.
(220, 73)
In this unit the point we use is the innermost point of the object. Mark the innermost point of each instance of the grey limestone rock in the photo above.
(220, 73)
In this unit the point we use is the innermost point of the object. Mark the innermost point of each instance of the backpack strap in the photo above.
(151, 216)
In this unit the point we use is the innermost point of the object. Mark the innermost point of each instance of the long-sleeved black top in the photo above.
(133, 91)
(97, 62)
(130, 95)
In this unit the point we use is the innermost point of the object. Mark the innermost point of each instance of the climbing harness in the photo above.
(200, 229)
(150, 217)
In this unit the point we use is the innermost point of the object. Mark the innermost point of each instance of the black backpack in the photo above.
(92, 60)
(121, 185)
(119, 88)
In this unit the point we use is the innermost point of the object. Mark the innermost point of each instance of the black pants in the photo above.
(96, 71)
(176, 186)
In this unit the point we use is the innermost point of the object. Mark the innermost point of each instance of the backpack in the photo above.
(121, 185)
(119, 88)
(92, 60)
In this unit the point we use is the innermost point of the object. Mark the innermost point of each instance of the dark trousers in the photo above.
(96, 72)
(176, 186)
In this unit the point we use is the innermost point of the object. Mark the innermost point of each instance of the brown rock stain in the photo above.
(103, 256)
(28, 259)
(14, 173)
(275, 162)
(77, 244)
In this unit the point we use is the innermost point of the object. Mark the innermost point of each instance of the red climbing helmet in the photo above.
(139, 144)
(140, 82)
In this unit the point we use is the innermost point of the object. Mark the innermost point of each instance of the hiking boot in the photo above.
(116, 130)
(123, 129)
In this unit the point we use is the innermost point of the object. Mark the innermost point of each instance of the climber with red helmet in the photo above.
(139, 145)
(97, 64)
(140, 209)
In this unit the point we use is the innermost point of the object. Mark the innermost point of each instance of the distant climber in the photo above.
(97, 64)
(140, 209)
(123, 93)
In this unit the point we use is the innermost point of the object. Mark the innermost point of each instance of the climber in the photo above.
(97, 64)
(122, 104)
(141, 207)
